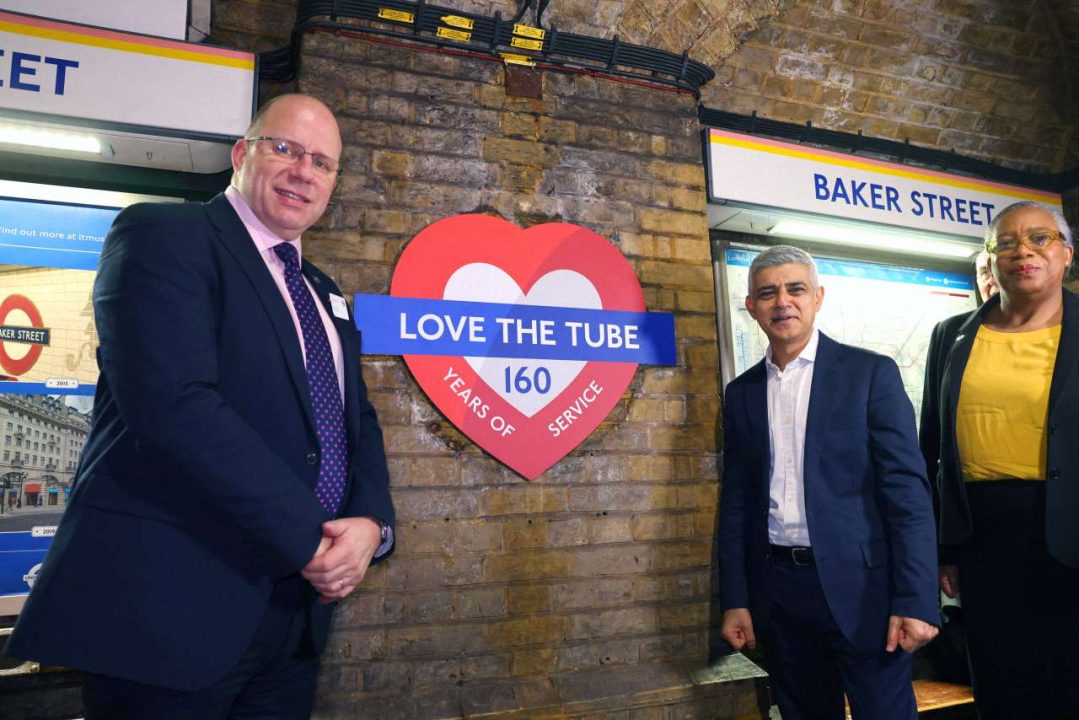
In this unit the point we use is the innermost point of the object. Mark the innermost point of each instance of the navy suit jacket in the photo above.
(868, 505)
(194, 493)
(949, 351)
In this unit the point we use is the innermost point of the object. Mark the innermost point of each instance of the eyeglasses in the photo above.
(1037, 240)
(293, 152)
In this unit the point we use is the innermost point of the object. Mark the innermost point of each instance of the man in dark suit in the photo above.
(234, 482)
(826, 537)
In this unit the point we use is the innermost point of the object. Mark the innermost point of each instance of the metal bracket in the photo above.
(26, 668)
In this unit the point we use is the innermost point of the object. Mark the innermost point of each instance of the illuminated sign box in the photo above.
(106, 76)
(758, 171)
(163, 18)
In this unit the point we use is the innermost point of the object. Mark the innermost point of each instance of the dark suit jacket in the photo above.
(949, 351)
(868, 504)
(194, 494)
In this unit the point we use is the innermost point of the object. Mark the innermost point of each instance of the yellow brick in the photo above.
(637, 244)
(527, 599)
(527, 152)
(675, 275)
(388, 221)
(521, 124)
(534, 630)
(646, 409)
(649, 467)
(534, 662)
(695, 327)
(683, 615)
(688, 174)
(674, 222)
(392, 164)
(523, 499)
(674, 409)
(688, 554)
(695, 249)
(680, 437)
(526, 533)
(492, 96)
(526, 566)
(557, 131)
(702, 355)
(703, 301)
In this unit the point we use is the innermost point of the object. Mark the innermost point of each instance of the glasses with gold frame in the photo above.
(1038, 240)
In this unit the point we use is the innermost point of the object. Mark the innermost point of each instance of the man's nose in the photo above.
(304, 168)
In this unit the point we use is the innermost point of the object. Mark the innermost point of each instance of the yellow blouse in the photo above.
(1004, 403)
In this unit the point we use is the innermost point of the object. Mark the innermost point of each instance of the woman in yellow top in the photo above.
(1005, 387)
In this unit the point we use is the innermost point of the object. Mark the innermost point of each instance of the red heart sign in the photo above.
(528, 413)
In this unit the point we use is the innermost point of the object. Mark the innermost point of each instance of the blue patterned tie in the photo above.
(322, 383)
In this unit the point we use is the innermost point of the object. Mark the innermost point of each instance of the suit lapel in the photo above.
(756, 399)
(234, 236)
(1068, 352)
(826, 370)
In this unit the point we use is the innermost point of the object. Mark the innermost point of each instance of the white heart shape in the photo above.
(483, 282)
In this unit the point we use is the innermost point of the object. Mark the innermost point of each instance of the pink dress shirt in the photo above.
(264, 242)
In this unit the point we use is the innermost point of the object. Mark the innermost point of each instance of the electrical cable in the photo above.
(444, 27)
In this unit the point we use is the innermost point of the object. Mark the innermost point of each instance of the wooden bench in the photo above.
(935, 695)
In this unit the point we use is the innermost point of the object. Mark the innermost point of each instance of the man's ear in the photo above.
(749, 307)
(239, 150)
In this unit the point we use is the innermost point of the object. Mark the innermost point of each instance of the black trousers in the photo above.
(274, 680)
(1020, 608)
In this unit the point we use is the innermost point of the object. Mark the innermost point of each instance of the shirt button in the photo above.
(1053, 474)
(311, 457)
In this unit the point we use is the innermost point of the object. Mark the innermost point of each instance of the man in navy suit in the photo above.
(826, 538)
(234, 484)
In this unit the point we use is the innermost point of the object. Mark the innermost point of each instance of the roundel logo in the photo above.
(31, 576)
(23, 335)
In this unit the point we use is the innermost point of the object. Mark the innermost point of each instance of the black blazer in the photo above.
(949, 350)
(194, 494)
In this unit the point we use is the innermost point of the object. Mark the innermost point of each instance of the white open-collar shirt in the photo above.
(788, 408)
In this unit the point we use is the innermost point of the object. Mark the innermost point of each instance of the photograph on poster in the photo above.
(48, 372)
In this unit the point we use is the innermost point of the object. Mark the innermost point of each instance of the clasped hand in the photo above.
(344, 553)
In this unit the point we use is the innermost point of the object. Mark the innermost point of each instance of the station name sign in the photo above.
(76, 71)
(761, 171)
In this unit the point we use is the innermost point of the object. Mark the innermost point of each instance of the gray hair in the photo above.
(981, 260)
(784, 255)
(1055, 213)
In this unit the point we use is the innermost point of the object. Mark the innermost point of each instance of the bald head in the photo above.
(280, 166)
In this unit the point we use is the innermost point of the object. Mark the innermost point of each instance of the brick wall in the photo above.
(991, 79)
(253, 25)
(983, 77)
(574, 589)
